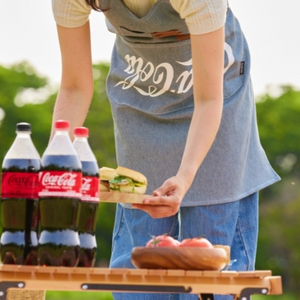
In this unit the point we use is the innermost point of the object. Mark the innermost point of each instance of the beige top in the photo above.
(201, 16)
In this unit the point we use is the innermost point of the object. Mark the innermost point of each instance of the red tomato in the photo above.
(196, 242)
(162, 241)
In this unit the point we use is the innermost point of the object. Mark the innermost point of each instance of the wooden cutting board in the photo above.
(118, 197)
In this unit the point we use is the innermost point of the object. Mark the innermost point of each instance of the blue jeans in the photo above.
(234, 224)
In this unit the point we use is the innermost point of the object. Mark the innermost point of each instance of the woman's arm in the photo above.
(208, 64)
(76, 88)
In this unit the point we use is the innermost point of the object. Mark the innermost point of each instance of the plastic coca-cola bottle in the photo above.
(60, 196)
(19, 200)
(89, 200)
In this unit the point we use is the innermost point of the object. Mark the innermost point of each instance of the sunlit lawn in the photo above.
(107, 296)
(78, 296)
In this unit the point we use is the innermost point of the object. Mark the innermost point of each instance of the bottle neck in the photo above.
(61, 132)
(23, 134)
(82, 139)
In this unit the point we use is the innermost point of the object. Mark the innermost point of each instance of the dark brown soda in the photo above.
(59, 240)
(20, 219)
(87, 221)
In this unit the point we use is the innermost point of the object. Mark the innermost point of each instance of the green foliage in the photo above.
(16, 78)
(274, 297)
(279, 244)
(14, 81)
(279, 128)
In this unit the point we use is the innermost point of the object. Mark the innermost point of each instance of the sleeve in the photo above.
(70, 13)
(201, 16)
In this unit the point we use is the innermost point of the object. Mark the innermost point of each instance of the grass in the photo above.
(108, 296)
(276, 297)
(78, 295)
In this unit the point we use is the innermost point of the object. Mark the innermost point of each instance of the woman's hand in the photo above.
(166, 199)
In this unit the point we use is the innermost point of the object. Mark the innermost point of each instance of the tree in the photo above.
(278, 244)
(14, 82)
(279, 128)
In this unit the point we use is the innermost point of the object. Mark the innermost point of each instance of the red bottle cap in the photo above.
(62, 124)
(81, 131)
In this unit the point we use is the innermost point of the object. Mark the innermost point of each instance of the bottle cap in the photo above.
(81, 131)
(23, 126)
(62, 124)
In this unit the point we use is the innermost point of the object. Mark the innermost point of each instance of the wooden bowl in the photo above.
(185, 258)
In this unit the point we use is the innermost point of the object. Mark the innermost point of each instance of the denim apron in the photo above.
(150, 88)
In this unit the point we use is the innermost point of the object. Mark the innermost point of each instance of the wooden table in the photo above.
(204, 283)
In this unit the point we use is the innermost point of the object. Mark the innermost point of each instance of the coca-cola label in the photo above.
(19, 185)
(60, 184)
(90, 189)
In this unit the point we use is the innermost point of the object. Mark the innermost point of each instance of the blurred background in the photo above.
(29, 80)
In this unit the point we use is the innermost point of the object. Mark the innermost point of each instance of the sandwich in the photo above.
(106, 174)
(122, 179)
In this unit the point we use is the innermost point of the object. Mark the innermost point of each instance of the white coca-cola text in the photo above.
(161, 78)
(65, 179)
(86, 184)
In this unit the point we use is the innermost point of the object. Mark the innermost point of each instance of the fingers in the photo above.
(164, 189)
(156, 212)
(160, 206)
(165, 201)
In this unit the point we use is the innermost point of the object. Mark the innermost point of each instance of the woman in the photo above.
(184, 115)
